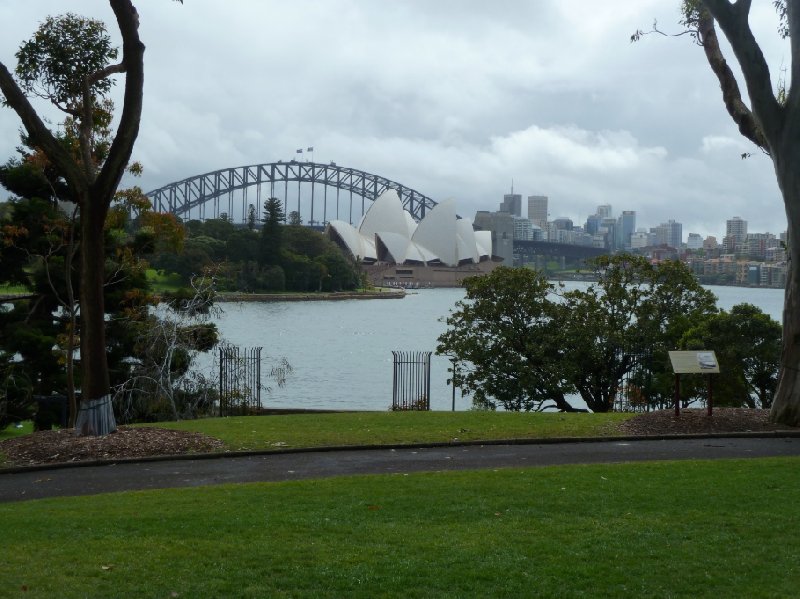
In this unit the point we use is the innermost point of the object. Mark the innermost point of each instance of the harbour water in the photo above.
(341, 352)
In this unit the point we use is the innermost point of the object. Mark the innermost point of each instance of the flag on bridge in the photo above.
(311, 149)
(299, 151)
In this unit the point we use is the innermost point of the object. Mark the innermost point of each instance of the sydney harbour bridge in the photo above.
(331, 192)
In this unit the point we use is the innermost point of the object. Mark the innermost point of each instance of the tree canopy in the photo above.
(526, 344)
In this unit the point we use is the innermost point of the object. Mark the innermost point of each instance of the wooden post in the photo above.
(710, 394)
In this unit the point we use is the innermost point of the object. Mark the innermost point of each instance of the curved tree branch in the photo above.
(733, 20)
(133, 65)
(731, 94)
(39, 133)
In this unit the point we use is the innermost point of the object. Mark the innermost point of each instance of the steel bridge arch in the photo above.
(197, 192)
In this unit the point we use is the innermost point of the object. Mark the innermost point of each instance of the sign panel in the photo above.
(694, 362)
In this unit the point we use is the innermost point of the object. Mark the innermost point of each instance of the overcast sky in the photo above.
(454, 98)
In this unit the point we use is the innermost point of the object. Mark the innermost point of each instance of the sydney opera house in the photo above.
(438, 251)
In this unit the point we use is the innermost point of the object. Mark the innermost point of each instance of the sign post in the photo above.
(693, 362)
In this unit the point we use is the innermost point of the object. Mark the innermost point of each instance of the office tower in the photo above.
(537, 210)
(608, 228)
(626, 225)
(523, 229)
(512, 204)
(604, 211)
(641, 239)
(593, 224)
(501, 224)
(563, 223)
(669, 233)
(694, 241)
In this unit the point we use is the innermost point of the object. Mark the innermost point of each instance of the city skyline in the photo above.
(607, 211)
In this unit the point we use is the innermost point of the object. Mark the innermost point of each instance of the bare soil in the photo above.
(58, 446)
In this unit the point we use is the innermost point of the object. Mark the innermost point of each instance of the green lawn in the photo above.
(164, 282)
(13, 431)
(371, 428)
(7, 288)
(675, 529)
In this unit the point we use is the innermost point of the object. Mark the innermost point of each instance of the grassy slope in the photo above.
(681, 529)
(367, 428)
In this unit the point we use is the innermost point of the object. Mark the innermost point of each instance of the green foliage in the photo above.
(63, 52)
(278, 258)
(34, 335)
(272, 241)
(505, 342)
(747, 344)
(635, 310)
(518, 344)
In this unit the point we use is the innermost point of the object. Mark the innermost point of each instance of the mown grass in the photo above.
(8, 288)
(164, 282)
(675, 529)
(12, 430)
(373, 428)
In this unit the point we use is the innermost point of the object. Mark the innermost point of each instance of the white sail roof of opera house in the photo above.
(388, 233)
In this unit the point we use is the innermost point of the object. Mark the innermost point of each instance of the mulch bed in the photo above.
(49, 447)
(693, 421)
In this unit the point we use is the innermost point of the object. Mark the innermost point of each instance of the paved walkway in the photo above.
(160, 474)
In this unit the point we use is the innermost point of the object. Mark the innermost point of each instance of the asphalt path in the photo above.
(27, 484)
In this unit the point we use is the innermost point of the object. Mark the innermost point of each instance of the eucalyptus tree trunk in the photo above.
(96, 414)
(773, 124)
(786, 404)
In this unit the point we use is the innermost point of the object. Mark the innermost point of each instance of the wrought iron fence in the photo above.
(636, 390)
(412, 380)
(239, 380)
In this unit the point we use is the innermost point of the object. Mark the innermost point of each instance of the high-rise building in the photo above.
(641, 239)
(512, 204)
(669, 233)
(735, 234)
(593, 224)
(537, 210)
(736, 227)
(626, 225)
(523, 229)
(694, 241)
(608, 228)
(501, 224)
(563, 223)
(604, 211)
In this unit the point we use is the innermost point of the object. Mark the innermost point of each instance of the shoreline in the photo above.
(310, 297)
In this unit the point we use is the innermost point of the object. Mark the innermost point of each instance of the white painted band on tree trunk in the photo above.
(96, 417)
